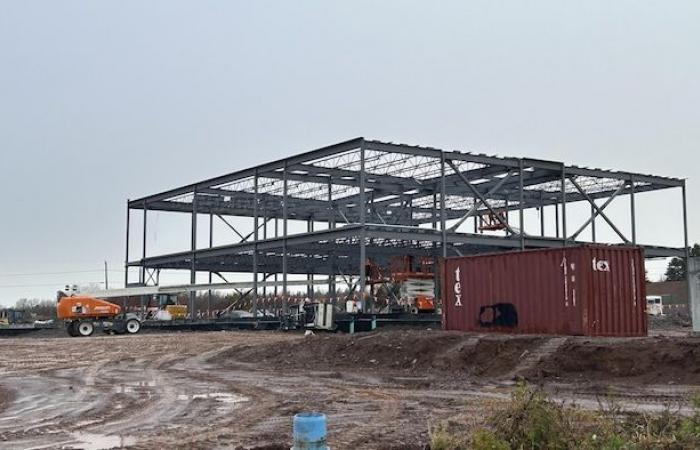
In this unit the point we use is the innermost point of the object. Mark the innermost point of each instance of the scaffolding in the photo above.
(363, 199)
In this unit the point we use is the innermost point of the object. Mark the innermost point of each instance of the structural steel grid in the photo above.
(363, 199)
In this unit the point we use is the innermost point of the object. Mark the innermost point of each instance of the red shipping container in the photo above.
(592, 290)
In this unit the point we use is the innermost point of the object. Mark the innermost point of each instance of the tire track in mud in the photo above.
(176, 391)
(108, 397)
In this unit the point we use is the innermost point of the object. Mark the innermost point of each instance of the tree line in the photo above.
(676, 269)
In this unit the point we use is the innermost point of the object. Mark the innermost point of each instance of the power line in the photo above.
(56, 273)
(57, 285)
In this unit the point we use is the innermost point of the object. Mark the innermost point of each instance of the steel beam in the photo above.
(300, 158)
(305, 208)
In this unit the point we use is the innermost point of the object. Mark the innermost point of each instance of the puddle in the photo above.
(142, 383)
(92, 441)
(223, 397)
(228, 401)
(134, 387)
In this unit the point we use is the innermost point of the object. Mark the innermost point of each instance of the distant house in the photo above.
(672, 292)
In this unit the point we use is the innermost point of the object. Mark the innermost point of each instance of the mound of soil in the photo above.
(399, 350)
(646, 360)
(654, 360)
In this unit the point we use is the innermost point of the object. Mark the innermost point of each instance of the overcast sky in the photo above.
(104, 101)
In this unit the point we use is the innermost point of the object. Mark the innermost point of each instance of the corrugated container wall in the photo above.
(590, 290)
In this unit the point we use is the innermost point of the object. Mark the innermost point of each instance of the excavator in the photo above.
(82, 314)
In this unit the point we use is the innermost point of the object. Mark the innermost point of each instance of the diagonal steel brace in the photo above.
(476, 205)
(598, 211)
(481, 197)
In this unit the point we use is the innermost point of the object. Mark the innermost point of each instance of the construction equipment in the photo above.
(82, 314)
(410, 285)
(312, 316)
(493, 221)
(11, 316)
(167, 308)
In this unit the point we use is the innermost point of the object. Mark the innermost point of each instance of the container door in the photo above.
(571, 299)
(616, 292)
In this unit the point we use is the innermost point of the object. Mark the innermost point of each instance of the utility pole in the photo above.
(106, 277)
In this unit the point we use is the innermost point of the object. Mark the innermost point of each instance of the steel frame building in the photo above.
(368, 199)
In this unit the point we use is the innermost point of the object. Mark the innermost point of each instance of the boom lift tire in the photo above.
(133, 326)
(85, 328)
(71, 328)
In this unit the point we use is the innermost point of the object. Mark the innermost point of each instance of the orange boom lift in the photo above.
(82, 314)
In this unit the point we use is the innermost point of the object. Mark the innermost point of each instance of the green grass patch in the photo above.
(530, 420)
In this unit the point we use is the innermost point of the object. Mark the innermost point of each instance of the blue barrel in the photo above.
(310, 431)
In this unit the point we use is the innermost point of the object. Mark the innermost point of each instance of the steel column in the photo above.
(520, 204)
(686, 244)
(563, 203)
(443, 227)
(506, 199)
(331, 226)
(285, 212)
(310, 276)
(363, 222)
(126, 261)
(632, 212)
(142, 276)
(541, 215)
(211, 244)
(255, 251)
(193, 245)
(443, 219)
(277, 234)
(264, 239)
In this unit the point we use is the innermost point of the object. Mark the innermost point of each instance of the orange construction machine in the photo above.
(82, 314)
(411, 284)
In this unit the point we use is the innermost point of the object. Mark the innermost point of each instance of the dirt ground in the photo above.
(380, 390)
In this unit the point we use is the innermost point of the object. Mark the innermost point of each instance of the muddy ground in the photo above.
(381, 390)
